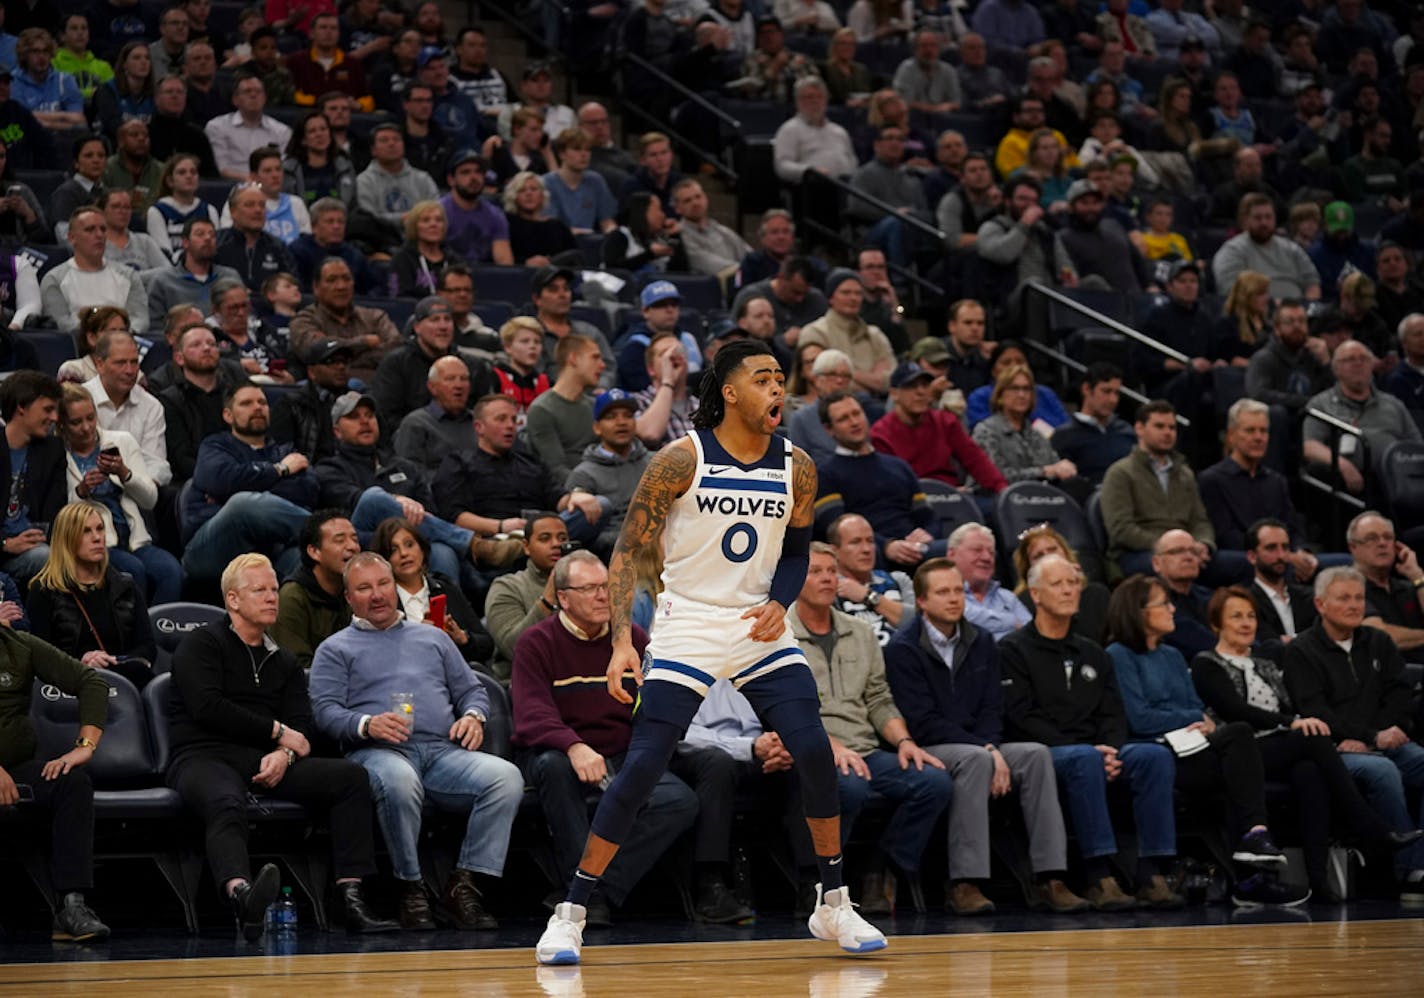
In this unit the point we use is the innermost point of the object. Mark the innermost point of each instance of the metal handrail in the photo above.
(682, 89)
(1340, 496)
(1335, 421)
(1108, 322)
(885, 207)
(509, 17)
(1081, 368)
(811, 225)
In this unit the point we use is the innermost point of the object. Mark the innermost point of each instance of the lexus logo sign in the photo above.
(168, 625)
(54, 694)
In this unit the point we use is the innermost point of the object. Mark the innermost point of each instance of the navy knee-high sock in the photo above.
(816, 770)
(648, 753)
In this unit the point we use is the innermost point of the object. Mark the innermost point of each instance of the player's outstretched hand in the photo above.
(768, 621)
(625, 657)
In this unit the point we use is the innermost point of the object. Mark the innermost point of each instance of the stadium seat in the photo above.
(43, 182)
(1401, 470)
(171, 623)
(500, 723)
(1096, 524)
(511, 284)
(1028, 504)
(53, 348)
(215, 192)
(950, 506)
(594, 316)
(590, 245)
(760, 118)
(399, 309)
(494, 313)
(699, 291)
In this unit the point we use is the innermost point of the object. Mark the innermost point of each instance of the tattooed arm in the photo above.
(668, 476)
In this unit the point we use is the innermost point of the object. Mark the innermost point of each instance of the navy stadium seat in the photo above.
(950, 506)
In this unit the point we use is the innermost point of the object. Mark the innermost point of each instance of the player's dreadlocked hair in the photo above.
(711, 407)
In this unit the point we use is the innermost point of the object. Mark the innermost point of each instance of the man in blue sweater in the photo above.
(859, 479)
(247, 493)
(405, 705)
(944, 673)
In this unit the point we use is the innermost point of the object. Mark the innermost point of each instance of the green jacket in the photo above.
(512, 607)
(307, 616)
(88, 70)
(856, 702)
(117, 178)
(1136, 511)
(25, 658)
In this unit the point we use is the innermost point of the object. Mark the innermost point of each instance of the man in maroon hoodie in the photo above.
(572, 736)
(932, 441)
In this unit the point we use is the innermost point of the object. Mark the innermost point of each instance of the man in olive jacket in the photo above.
(59, 788)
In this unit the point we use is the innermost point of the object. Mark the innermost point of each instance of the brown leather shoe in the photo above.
(967, 899)
(877, 893)
(1054, 895)
(496, 553)
(413, 908)
(1156, 894)
(462, 904)
(1106, 895)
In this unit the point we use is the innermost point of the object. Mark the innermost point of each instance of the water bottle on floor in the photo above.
(282, 925)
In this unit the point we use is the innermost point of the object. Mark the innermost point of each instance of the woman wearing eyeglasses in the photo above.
(1015, 444)
(1212, 759)
(1238, 687)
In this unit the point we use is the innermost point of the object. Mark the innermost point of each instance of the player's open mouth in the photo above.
(774, 415)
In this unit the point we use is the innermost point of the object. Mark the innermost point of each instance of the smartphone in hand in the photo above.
(437, 611)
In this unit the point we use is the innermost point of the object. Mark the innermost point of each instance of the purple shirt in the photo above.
(471, 233)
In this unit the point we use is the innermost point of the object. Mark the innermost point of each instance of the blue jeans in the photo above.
(1149, 771)
(248, 521)
(403, 776)
(920, 797)
(889, 233)
(449, 544)
(24, 567)
(156, 573)
(1382, 777)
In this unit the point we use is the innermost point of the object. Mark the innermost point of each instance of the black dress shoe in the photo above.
(719, 906)
(1401, 840)
(414, 907)
(357, 914)
(251, 900)
(463, 905)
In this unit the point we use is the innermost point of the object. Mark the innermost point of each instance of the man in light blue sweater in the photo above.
(406, 706)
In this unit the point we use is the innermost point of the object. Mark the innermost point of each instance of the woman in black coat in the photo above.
(84, 606)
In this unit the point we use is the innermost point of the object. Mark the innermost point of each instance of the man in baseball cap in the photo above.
(611, 468)
(400, 384)
(662, 311)
(477, 230)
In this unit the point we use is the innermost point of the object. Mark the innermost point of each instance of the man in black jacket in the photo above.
(193, 405)
(240, 720)
(1283, 609)
(400, 383)
(32, 472)
(58, 788)
(944, 673)
(248, 492)
(303, 417)
(1352, 678)
(1060, 690)
(1182, 324)
(246, 247)
(313, 598)
(373, 484)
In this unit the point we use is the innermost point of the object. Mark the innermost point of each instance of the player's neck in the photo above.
(746, 445)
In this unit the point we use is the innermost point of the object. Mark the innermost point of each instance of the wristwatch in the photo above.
(873, 598)
(477, 715)
(88, 743)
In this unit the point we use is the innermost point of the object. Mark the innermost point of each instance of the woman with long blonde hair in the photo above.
(417, 264)
(85, 607)
(1245, 327)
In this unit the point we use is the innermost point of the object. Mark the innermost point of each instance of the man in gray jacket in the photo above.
(390, 186)
(886, 178)
(611, 468)
(190, 281)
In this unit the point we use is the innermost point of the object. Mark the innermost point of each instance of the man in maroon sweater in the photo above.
(932, 441)
(325, 67)
(572, 735)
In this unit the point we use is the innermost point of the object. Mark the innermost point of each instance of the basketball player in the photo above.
(731, 507)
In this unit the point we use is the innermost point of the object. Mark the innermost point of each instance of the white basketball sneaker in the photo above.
(563, 936)
(835, 920)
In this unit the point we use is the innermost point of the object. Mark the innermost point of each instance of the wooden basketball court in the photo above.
(1344, 958)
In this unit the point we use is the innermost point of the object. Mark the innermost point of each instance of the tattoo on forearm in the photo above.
(668, 476)
(803, 488)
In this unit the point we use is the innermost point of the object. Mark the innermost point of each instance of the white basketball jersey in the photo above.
(723, 536)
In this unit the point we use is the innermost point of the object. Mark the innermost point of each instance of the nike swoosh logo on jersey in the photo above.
(718, 471)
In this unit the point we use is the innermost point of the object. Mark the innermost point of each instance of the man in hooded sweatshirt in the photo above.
(612, 467)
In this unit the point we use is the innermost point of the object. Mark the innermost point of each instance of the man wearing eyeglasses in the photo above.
(1393, 581)
(572, 735)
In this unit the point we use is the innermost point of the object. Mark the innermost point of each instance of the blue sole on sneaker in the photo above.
(869, 947)
(561, 959)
